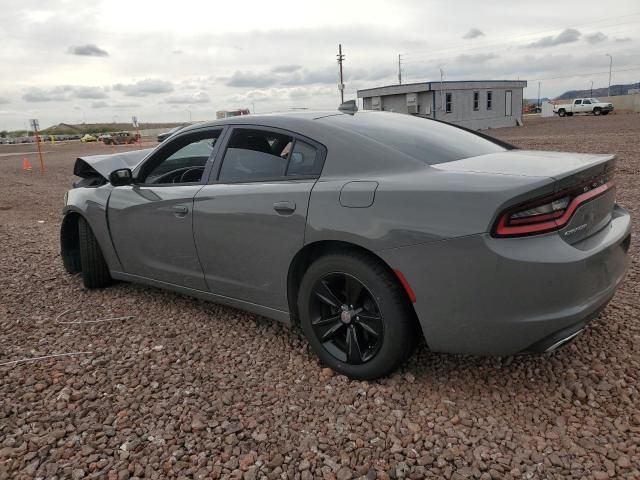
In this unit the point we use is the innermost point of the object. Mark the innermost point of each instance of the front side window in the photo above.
(448, 103)
(255, 155)
(489, 100)
(181, 161)
(586, 102)
(476, 101)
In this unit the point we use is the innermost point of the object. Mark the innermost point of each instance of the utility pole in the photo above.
(341, 86)
(538, 94)
(442, 88)
(400, 69)
(610, 66)
(591, 95)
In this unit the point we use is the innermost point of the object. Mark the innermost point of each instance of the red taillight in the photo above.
(547, 214)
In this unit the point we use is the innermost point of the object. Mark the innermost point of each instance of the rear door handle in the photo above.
(180, 210)
(284, 208)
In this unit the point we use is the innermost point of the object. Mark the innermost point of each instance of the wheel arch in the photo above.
(311, 252)
(70, 242)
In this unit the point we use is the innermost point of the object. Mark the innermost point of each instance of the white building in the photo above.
(475, 104)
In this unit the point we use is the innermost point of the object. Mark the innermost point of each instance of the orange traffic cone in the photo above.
(26, 165)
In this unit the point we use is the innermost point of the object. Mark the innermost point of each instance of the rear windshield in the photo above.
(421, 138)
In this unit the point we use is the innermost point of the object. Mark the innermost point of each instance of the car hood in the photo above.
(103, 165)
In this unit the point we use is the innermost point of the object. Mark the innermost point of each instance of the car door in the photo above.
(577, 106)
(586, 105)
(151, 221)
(249, 221)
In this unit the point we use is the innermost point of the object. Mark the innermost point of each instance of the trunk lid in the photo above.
(534, 163)
(574, 173)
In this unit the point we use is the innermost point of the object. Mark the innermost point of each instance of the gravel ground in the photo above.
(186, 389)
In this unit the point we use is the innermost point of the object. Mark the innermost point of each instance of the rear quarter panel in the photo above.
(419, 206)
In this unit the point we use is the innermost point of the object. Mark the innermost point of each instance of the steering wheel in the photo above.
(193, 174)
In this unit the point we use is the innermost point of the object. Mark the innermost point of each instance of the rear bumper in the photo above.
(501, 296)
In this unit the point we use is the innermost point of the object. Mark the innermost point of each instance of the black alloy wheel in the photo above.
(356, 315)
(346, 318)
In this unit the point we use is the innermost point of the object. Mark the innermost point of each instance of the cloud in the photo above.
(595, 37)
(623, 39)
(144, 87)
(285, 68)
(283, 75)
(476, 58)
(250, 79)
(88, 50)
(99, 104)
(177, 52)
(473, 33)
(568, 35)
(37, 95)
(281, 94)
(89, 92)
(199, 97)
(4, 101)
(62, 93)
(126, 105)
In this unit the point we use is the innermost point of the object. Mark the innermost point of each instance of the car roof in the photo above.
(275, 119)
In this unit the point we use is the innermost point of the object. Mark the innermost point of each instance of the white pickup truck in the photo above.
(583, 105)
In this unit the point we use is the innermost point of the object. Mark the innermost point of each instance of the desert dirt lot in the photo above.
(186, 389)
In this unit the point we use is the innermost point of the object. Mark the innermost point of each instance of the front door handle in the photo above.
(284, 208)
(180, 210)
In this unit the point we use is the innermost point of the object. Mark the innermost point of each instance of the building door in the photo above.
(508, 104)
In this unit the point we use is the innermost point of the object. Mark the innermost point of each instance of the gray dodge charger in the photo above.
(369, 230)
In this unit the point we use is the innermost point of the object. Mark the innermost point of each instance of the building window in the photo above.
(448, 104)
(476, 101)
(489, 100)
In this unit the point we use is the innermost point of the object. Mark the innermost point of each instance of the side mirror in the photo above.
(121, 177)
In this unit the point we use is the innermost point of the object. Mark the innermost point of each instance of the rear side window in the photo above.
(423, 139)
(304, 161)
(255, 155)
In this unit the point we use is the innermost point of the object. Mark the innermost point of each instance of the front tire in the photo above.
(95, 272)
(356, 316)
(597, 111)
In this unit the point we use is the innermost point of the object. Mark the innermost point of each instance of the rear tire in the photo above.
(562, 112)
(597, 111)
(372, 325)
(95, 272)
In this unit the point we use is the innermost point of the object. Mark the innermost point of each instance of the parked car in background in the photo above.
(88, 138)
(366, 229)
(583, 105)
(121, 138)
